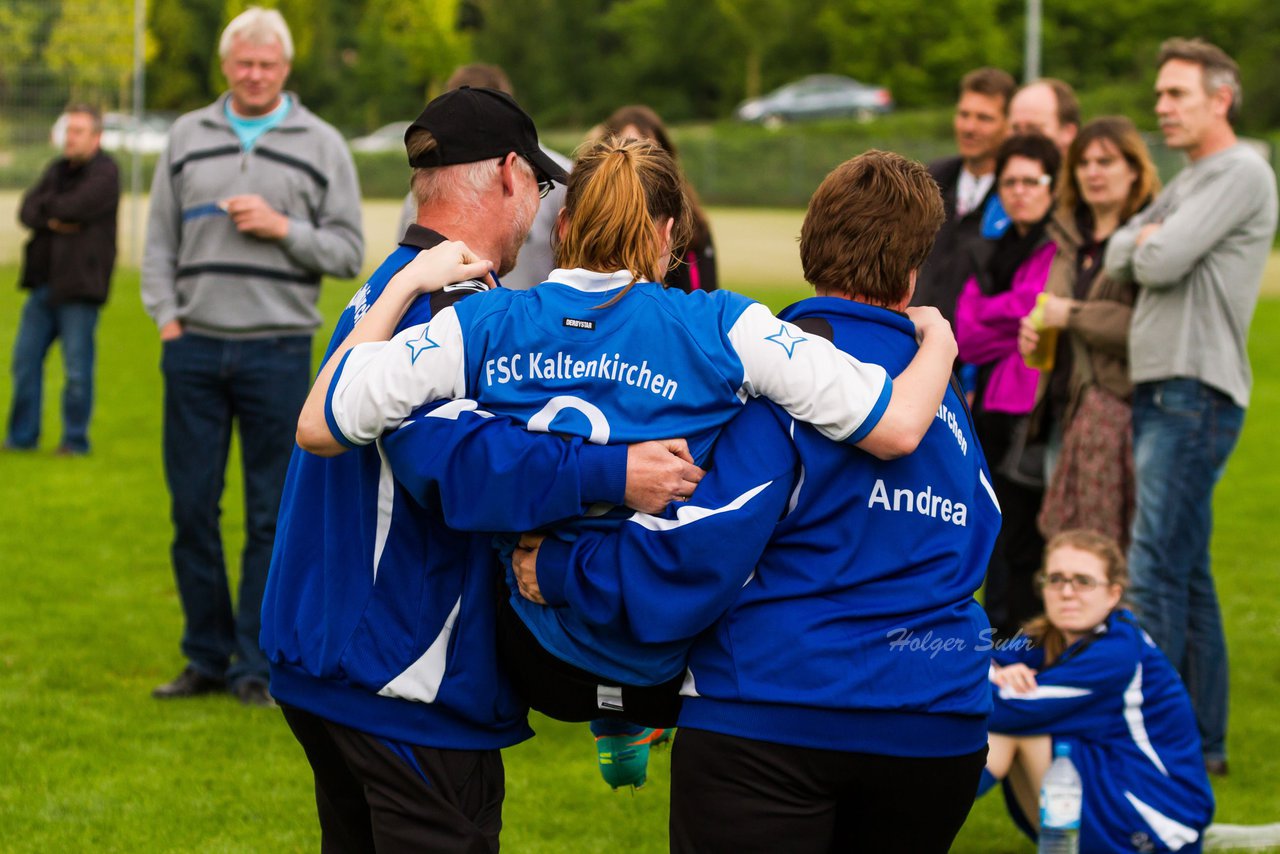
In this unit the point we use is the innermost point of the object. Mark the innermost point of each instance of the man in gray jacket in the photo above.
(1197, 254)
(253, 201)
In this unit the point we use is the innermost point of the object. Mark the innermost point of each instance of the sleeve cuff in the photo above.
(553, 563)
(328, 406)
(602, 473)
(877, 412)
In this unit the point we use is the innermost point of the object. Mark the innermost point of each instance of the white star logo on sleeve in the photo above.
(784, 339)
(418, 346)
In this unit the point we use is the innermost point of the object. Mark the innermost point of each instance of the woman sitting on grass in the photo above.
(1093, 679)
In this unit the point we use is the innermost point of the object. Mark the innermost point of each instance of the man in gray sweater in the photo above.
(253, 201)
(1197, 254)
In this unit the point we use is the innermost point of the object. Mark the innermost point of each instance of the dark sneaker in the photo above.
(253, 692)
(189, 683)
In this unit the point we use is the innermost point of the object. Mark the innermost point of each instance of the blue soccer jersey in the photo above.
(657, 364)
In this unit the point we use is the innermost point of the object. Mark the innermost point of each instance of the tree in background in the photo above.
(918, 48)
(405, 51)
(91, 47)
(179, 73)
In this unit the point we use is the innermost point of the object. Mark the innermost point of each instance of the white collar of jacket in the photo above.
(591, 281)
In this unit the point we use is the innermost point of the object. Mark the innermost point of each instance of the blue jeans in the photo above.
(42, 323)
(1183, 432)
(209, 383)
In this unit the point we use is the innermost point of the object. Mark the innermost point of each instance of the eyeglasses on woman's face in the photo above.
(1059, 580)
(1024, 182)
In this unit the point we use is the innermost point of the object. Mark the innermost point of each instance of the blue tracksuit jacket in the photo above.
(378, 614)
(827, 595)
(1121, 706)
(656, 364)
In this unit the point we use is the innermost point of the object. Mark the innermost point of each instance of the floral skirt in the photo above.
(1093, 485)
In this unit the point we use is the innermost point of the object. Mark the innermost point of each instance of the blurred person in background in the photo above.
(67, 266)
(1197, 255)
(1009, 274)
(536, 257)
(253, 201)
(1048, 106)
(695, 269)
(1093, 680)
(1082, 402)
(967, 182)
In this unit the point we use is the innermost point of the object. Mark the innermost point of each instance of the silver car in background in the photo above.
(818, 96)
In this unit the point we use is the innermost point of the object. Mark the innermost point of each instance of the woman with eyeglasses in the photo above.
(1010, 274)
(1092, 679)
(1082, 400)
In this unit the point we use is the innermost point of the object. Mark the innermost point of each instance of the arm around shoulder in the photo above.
(917, 391)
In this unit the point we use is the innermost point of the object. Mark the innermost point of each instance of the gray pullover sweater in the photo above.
(200, 270)
(1198, 276)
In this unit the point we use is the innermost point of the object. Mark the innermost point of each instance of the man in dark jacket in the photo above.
(967, 182)
(67, 267)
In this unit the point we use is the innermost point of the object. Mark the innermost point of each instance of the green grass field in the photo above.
(89, 622)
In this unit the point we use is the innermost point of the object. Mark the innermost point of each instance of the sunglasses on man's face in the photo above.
(545, 186)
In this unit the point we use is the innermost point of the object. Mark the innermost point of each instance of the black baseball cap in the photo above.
(471, 124)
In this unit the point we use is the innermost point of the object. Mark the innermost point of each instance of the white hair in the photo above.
(462, 184)
(257, 26)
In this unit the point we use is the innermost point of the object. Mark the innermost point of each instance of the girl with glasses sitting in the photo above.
(1090, 677)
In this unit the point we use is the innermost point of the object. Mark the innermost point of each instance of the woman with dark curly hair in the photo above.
(1010, 276)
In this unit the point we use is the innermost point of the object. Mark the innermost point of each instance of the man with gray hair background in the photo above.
(1197, 254)
(254, 200)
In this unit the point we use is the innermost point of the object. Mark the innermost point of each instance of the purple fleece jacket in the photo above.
(987, 331)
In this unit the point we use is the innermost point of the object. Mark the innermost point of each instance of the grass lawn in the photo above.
(89, 622)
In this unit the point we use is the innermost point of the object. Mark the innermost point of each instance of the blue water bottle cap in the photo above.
(1061, 748)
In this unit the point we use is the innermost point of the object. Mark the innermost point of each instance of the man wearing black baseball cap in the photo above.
(379, 619)
(475, 124)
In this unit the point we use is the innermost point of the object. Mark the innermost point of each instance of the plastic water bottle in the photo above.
(1060, 805)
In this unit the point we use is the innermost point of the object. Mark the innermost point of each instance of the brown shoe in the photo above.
(1216, 767)
(189, 683)
(253, 692)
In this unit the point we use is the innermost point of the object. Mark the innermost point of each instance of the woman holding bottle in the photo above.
(1093, 681)
(1080, 340)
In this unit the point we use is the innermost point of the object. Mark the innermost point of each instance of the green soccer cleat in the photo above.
(624, 759)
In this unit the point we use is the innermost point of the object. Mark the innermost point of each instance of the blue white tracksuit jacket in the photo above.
(1121, 706)
(378, 614)
(838, 588)
(656, 364)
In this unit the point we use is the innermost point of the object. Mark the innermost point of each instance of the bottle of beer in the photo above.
(1041, 358)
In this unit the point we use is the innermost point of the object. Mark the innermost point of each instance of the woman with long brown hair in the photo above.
(1090, 678)
(1082, 400)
